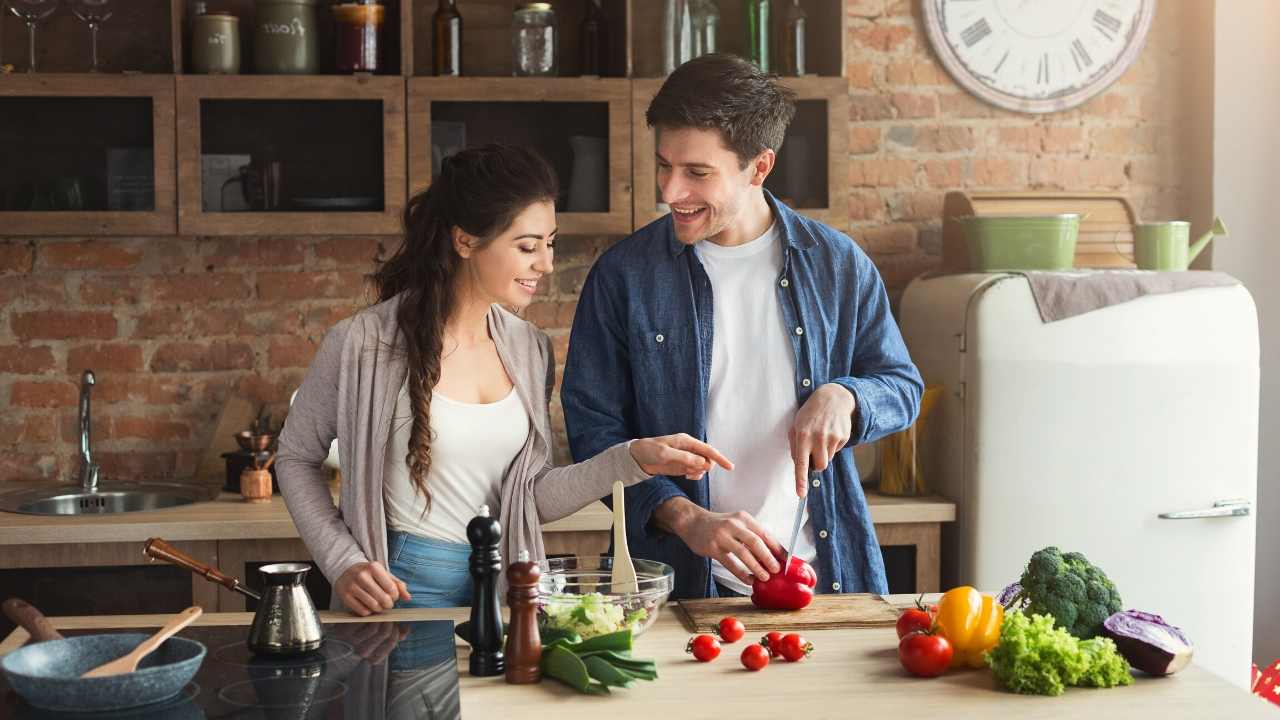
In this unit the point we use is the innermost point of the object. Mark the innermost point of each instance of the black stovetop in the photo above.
(376, 669)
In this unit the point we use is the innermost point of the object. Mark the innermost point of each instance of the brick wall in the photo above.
(175, 325)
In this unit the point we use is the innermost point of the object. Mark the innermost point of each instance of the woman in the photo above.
(438, 397)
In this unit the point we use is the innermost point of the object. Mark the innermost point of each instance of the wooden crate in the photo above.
(1106, 230)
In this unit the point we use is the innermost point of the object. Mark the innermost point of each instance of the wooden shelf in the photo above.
(194, 90)
(830, 92)
(549, 135)
(158, 90)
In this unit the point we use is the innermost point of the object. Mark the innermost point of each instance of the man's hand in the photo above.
(368, 588)
(678, 454)
(821, 428)
(716, 535)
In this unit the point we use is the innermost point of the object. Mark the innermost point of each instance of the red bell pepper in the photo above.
(788, 590)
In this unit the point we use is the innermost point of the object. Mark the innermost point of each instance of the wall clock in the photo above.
(1037, 56)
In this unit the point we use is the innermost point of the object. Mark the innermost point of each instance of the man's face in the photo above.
(703, 182)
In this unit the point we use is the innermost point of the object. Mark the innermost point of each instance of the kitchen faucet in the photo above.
(88, 468)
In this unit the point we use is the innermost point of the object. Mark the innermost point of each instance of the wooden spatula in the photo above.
(129, 663)
(624, 572)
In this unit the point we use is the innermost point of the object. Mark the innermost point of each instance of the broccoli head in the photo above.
(1068, 587)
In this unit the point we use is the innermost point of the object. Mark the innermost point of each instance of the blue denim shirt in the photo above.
(640, 361)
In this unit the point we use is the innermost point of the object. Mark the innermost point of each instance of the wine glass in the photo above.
(32, 12)
(93, 12)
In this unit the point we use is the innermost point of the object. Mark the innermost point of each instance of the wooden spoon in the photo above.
(624, 572)
(129, 663)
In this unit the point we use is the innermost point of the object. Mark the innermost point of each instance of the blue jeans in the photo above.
(435, 570)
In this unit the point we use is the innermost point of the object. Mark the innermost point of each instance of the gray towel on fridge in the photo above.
(1060, 295)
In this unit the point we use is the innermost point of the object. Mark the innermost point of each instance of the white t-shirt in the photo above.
(751, 401)
(472, 446)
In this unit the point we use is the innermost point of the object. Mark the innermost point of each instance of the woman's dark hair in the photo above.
(726, 93)
(479, 190)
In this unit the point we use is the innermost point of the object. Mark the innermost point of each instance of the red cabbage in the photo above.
(1148, 642)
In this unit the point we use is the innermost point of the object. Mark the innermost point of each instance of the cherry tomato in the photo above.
(773, 641)
(913, 620)
(704, 648)
(925, 654)
(731, 629)
(795, 648)
(755, 656)
(918, 618)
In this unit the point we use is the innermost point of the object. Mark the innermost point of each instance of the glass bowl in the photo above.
(574, 593)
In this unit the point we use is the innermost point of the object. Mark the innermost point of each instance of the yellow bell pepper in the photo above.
(970, 621)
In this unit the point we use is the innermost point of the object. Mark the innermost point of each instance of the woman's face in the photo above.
(508, 269)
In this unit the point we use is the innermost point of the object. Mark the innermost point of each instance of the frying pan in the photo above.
(47, 674)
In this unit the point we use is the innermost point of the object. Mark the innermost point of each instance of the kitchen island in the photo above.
(228, 532)
(852, 673)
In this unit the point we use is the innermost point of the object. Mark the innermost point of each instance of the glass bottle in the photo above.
(757, 13)
(706, 26)
(533, 40)
(677, 35)
(795, 26)
(593, 35)
(447, 39)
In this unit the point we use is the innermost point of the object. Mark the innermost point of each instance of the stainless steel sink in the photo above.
(106, 498)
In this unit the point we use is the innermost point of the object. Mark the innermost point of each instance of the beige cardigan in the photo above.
(349, 393)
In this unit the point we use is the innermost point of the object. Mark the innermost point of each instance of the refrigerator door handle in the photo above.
(1237, 507)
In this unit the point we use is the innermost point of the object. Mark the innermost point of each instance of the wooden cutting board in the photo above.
(853, 610)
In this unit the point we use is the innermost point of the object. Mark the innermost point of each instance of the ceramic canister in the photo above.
(284, 37)
(215, 44)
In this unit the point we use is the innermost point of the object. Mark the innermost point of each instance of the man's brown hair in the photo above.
(726, 93)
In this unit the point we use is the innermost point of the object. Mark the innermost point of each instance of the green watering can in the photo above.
(1166, 246)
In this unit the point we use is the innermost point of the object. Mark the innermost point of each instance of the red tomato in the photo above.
(755, 657)
(704, 648)
(773, 641)
(731, 629)
(913, 620)
(916, 619)
(795, 647)
(925, 654)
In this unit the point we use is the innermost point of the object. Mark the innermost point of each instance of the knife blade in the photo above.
(795, 530)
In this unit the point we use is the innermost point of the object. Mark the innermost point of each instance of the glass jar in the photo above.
(533, 40)
(357, 34)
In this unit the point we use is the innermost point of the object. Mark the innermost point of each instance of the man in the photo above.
(737, 320)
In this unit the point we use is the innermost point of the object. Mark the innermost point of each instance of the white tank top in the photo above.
(472, 446)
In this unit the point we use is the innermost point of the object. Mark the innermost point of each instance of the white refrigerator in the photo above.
(1129, 434)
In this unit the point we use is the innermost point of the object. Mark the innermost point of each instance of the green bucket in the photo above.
(1021, 242)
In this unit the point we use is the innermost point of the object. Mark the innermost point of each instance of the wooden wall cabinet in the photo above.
(50, 145)
(286, 116)
(303, 120)
(543, 113)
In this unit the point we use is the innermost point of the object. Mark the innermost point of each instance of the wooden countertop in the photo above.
(852, 672)
(230, 518)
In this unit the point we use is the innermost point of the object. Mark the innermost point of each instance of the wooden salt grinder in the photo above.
(524, 644)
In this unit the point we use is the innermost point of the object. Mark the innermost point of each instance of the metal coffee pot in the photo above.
(286, 622)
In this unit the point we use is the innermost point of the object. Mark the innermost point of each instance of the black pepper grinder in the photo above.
(485, 533)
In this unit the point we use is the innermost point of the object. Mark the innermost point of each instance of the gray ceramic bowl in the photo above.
(47, 674)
